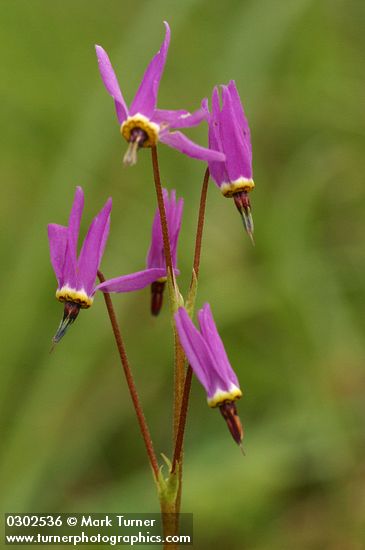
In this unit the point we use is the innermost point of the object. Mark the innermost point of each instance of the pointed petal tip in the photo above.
(167, 33)
(100, 52)
(226, 96)
(205, 107)
(206, 309)
(215, 93)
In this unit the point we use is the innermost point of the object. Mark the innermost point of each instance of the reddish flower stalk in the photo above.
(130, 381)
(161, 207)
(182, 420)
(200, 226)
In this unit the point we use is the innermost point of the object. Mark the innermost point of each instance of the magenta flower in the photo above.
(208, 359)
(229, 133)
(156, 254)
(155, 272)
(76, 274)
(142, 124)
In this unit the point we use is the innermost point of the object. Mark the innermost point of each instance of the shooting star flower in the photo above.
(76, 274)
(156, 254)
(229, 133)
(142, 124)
(206, 354)
(155, 273)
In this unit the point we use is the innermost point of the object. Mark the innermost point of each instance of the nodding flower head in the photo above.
(142, 124)
(155, 273)
(75, 273)
(229, 133)
(156, 254)
(206, 354)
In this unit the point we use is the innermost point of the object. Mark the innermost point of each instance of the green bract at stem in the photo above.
(168, 490)
(130, 382)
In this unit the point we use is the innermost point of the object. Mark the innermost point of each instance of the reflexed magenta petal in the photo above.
(167, 117)
(90, 254)
(131, 282)
(70, 267)
(211, 336)
(179, 119)
(178, 141)
(175, 220)
(193, 119)
(196, 350)
(174, 209)
(217, 169)
(145, 99)
(239, 113)
(238, 152)
(104, 240)
(57, 236)
(205, 107)
(121, 112)
(111, 83)
(155, 255)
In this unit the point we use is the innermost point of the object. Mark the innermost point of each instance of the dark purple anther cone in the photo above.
(138, 135)
(157, 290)
(229, 412)
(70, 312)
(243, 205)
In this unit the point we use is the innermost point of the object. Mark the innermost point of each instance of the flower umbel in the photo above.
(142, 124)
(76, 274)
(229, 133)
(209, 361)
(155, 273)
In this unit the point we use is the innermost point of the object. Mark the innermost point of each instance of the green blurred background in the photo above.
(290, 310)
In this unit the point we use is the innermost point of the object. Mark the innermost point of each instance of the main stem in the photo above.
(179, 373)
(130, 381)
(182, 381)
(187, 384)
(170, 522)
